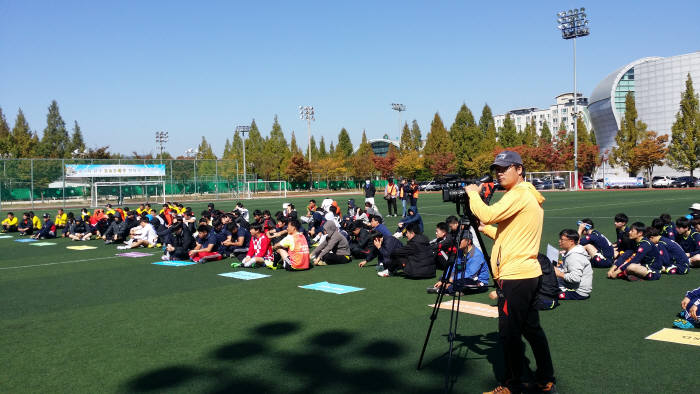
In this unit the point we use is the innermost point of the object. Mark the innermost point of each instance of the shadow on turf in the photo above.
(322, 364)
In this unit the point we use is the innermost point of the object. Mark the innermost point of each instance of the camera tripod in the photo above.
(466, 223)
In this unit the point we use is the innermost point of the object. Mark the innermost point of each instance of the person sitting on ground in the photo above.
(141, 210)
(360, 241)
(293, 249)
(596, 244)
(36, 222)
(643, 262)
(238, 218)
(259, 249)
(61, 218)
(668, 229)
(469, 271)
(622, 234)
(444, 248)
(575, 275)
(81, 230)
(25, 226)
(114, 230)
(48, 229)
(68, 228)
(412, 217)
(383, 246)
(178, 243)
(108, 209)
(145, 237)
(207, 246)
(239, 241)
(223, 237)
(673, 259)
(9, 224)
(415, 258)
(689, 240)
(334, 249)
(316, 225)
(371, 209)
(689, 312)
(377, 224)
(310, 209)
(280, 229)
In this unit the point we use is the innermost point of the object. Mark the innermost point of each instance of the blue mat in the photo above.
(25, 240)
(245, 275)
(331, 288)
(174, 263)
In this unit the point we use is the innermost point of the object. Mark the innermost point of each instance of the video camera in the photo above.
(454, 191)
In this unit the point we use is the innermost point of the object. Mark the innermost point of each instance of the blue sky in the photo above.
(124, 70)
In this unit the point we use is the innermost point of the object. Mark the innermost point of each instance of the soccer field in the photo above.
(89, 321)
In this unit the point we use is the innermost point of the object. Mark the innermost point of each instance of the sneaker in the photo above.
(165, 257)
(548, 387)
(271, 265)
(432, 290)
(383, 274)
(321, 263)
(499, 390)
(236, 264)
(122, 247)
(398, 234)
(683, 324)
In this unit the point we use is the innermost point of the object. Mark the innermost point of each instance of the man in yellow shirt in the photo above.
(9, 225)
(515, 268)
(36, 222)
(61, 218)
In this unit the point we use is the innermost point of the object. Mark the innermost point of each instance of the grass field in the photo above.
(88, 321)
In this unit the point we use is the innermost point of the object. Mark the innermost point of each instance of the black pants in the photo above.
(391, 203)
(517, 318)
(180, 253)
(9, 229)
(359, 253)
(331, 258)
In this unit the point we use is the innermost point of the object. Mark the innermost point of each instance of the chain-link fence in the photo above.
(32, 182)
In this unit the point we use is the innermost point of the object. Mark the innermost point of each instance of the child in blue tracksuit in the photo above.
(673, 259)
(469, 272)
(689, 314)
(642, 263)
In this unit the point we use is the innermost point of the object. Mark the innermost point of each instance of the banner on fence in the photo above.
(113, 170)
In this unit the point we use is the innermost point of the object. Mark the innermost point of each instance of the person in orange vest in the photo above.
(391, 191)
(405, 196)
(414, 195)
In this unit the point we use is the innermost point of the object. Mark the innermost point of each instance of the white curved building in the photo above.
(657, 84)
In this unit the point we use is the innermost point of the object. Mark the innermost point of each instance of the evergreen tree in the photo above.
(4, 134)
(466, 138)
(417, 137)
(508, 135)
(684, 149)
(204, 151)
(406, 142)
(293, 147)
(488, 129)
(227, 150)
(546, 133)
(22, 140)
(529, 135)
(593, 139)
(314, 150)
(362, 163)
(255, 150)
(630, 133)
(437, 143)
(322, 153)
(237, 147)
(55, 141)
(275, 147)
(344, 148)
(76, 141)
(582, 132)
(331, 151)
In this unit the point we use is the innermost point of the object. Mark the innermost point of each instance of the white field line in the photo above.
(62, 262)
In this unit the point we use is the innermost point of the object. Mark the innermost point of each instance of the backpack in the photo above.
(547, 297)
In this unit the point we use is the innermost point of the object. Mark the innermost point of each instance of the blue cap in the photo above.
(506, 158)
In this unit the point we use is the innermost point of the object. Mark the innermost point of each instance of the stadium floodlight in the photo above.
(307, 112)
(398, 108)
(161, 139)
(243, 130)
(573, 24)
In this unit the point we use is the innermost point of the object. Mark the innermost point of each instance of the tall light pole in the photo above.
(161, 139)
(574, 23)
(243, 130)
(399, 108)
(308, 113)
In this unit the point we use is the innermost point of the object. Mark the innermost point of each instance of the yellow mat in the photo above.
(674, 335)
(473, 308)
(81, 247)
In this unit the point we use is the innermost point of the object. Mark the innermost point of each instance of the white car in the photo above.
(661, 181)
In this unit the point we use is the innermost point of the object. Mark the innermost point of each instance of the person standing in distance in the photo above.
(515, 268)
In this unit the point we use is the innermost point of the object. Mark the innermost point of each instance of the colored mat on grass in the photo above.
(473, 308)
(44, 243)
(25, 240)
(245, 275)
(174, 263)
(331, 288)
(134, 254)
(81, 247)
(5, 236)
(684, 337)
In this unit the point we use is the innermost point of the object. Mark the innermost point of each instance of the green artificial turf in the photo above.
(88, 321)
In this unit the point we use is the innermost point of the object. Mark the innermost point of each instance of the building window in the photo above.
(625, 86)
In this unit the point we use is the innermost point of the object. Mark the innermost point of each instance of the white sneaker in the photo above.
(165, 257)
(398, 235)
(122, 247)
(248, 263)
(383, 274)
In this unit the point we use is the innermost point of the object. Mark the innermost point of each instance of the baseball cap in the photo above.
(467, 234)
(46, 215)
(506, 158)
(695, 206)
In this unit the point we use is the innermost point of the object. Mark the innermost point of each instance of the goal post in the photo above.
(266, 188)
(106, 191)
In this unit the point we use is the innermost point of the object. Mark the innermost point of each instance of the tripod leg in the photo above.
(451, 338)
(433, 315)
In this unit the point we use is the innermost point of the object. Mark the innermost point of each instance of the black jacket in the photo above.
(419, 257)
(444, 251)
(360, 242)
(370, 190)
(384, 254)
